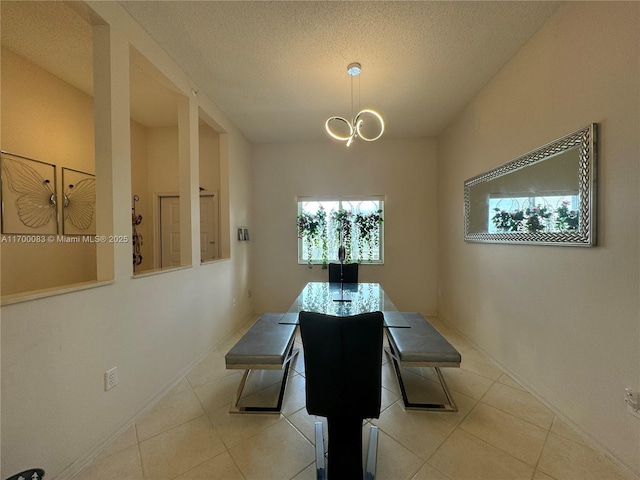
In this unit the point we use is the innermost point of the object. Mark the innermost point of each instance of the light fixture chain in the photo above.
(359, 93)
(352, 110)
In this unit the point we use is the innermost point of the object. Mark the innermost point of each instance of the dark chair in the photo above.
(33, 474)
(349, 270)
(343, 370)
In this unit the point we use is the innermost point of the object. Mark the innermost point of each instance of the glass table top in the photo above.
(353, 299)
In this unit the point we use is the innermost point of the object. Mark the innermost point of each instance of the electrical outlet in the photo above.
(633, 403)
(110, 378)
(234, 302)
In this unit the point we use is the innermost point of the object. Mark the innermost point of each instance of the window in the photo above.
(356, 222)
(551, 213)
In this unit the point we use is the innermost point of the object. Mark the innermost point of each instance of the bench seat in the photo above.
(421, 345)
(267, 345)
(264, 346)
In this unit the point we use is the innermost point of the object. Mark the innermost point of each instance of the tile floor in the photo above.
(500, 431)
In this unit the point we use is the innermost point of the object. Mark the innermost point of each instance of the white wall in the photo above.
(55, 349)
(563, 320)
(402, 170)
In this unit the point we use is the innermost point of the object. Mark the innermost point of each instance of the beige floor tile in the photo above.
(475, 362)
(180, 449)
(211, 368)
(464, 457)
(507, 380)
(305, 423)
(254, 396)
(298, 362)
(220, 392)
(221, 467)
(125, 440)
(421, 389)
(460, 380)
(394, 461)
(122, 465)
(308, 473)
(508, 433)
(295, 396)
(519, 404)
(427, 472)
(388, 398)
(389, 380)
(421, 432)
(181, 386)
(169, 412)
(235, 428)
(564, 459)
(538, 475)
(264, 391)
(265, 378)
(561, 428)
(277, 452)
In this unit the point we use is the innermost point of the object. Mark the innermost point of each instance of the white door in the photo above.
(169, 232)
(208, 227)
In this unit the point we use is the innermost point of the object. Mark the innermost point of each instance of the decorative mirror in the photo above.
(546, 196)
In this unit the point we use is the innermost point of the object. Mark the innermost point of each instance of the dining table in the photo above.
(344, 299)
(413, 341)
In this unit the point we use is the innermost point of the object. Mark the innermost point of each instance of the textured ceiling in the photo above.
(278, 69)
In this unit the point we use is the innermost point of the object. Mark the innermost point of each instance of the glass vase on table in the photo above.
(341, 256)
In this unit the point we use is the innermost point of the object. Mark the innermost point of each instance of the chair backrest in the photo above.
(343, 364)
(349, 271)
(33, 474)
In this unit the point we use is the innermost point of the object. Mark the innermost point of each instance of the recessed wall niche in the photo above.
(155, 174)
(47, 131)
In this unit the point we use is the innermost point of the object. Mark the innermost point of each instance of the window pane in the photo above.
(553, 213)
(322, 217)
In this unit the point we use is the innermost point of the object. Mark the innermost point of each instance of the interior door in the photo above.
(170, 229)
(169, 232)
(208, 227)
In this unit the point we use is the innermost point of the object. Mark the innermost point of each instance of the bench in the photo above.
(267, 345)
(421, 346)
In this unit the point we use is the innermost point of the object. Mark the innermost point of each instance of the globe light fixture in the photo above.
(355, 127)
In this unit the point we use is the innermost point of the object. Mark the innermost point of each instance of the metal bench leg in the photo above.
(236, 408)
(450, 406)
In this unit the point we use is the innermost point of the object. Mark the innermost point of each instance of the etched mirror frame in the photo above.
(583, 230)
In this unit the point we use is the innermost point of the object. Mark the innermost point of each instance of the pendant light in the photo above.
(358, 121)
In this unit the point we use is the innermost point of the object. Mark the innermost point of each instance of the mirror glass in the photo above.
(546, 196)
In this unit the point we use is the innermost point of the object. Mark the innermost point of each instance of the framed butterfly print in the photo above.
(29, 201)
(78, 202)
